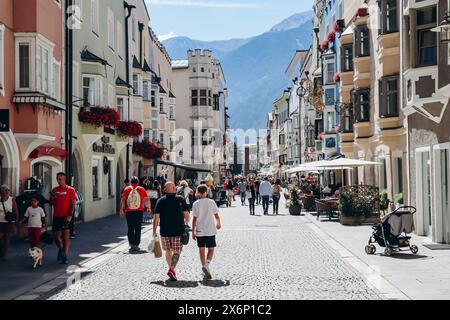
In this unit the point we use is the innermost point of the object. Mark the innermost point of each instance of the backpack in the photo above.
(134, 200)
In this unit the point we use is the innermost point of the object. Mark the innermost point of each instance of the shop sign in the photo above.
(104, 147)
(4, 120)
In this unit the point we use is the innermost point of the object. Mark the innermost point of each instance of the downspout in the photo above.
(141, 45)
(68, 82)
(129, 8)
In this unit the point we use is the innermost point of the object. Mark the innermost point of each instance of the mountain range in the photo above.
(254, 67)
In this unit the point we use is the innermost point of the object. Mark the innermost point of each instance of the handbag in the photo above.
(185, 237)
(9, 216)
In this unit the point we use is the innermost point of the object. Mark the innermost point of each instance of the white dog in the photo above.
(36, 255)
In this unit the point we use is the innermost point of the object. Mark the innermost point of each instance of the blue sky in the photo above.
(220, 19)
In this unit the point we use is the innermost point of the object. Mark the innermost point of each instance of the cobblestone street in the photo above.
(258, 257)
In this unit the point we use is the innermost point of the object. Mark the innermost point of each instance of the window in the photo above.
(202, 70)
(171, 113)
(388, 97)
(347, 119)
(330, 72)
(330, 98)
(110, 178)
(362, 106)
(145, 85)
(2, 59)
(161, 105)
(120, 44)
(96, 178)
(387, 16)
(92, 90)
(203, 97)
(161, 138)
(147, 134)
(120, 108)
(95, 16)
(110, 95)
(347, 58)
(362, 42)
(24, 66)
(426, 44)
(330, 121)
(137, 82)
(216, 102)
(111, 29)
(56, 81)
(153, 98)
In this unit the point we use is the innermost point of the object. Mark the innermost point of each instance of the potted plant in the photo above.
(398, 199)
(356, 210)
(295, 208)
(384, 201)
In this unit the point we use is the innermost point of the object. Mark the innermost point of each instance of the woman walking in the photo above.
(276, 195)
(8, 208)
(251, 195)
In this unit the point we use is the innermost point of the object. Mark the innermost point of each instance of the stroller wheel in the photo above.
(371, 249)
(388, 251)
(414, 249)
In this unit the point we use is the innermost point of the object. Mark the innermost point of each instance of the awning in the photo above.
(181, 166)
(344, 163)
(88, 56)
(48, 151)
(36, 98)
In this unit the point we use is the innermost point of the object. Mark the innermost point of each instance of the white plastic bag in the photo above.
(151, 245)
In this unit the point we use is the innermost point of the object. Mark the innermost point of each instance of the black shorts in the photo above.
(60, 224)
(206, 242)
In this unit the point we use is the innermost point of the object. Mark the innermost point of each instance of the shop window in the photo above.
(96, 178)
(110, 178)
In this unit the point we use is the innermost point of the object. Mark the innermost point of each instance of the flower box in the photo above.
(147, 150)
(99, 117)
(130, 129)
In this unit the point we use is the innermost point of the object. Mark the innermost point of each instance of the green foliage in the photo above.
(399, 198)
(353, 206)
(384, 201)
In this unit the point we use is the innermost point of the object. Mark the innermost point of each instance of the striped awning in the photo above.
(35, 99)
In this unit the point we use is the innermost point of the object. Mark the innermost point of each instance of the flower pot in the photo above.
(295, 210)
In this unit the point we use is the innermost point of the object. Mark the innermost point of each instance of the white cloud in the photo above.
(207, 4)
(168, 36)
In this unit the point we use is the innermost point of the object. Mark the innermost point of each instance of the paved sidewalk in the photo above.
(17, 277)
(424, 276)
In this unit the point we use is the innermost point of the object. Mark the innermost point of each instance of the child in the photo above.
(204, 229)
(35, 217)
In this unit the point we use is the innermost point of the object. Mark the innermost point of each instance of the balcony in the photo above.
(389, 54)
(201, 112)
(362, 66)
(346, 86)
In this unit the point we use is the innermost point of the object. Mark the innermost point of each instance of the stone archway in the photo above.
(10, 165)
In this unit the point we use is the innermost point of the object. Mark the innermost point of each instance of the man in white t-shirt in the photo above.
(205, 224)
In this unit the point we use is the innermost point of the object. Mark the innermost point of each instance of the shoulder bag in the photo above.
(9, 216)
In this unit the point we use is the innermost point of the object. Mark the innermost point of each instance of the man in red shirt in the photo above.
(63, 199)
(134, 201)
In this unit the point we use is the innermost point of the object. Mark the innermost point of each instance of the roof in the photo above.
(161, 90)
(296, 61)
(347, 31)
(136, 63)
(88, 56)
(171, 95)
(156, 80)
(147, 67)
(180, 64)
(121, 83)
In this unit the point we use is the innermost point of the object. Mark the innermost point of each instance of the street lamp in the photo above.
(444, 29)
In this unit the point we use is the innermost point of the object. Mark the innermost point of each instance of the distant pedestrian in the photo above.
(186, 192)
(134, 201)
(63, 198)
(276, 195)
(242, 185)
(251, 195)
(265, 190)
(258, 196)
(172, 214)
(230, 192)
(204, 228)
(7, 228)
(36, 220)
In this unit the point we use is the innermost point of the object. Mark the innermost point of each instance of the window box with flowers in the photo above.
(147, 150)
(130, 129)
(99, 117)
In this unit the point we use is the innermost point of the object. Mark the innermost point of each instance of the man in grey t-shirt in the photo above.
(242, 186)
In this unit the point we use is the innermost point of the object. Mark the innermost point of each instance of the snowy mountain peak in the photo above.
(293, 21)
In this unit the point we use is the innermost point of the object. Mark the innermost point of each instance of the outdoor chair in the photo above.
(309, 203)
(325, 209)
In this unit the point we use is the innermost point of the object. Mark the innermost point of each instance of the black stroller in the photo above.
(392, 232)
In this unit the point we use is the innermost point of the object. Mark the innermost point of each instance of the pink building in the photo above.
(31, 71)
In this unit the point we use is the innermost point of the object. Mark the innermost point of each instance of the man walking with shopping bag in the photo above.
(134, 201)
(172, 214)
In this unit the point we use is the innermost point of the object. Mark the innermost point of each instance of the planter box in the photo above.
(358, 221)
(90, 129)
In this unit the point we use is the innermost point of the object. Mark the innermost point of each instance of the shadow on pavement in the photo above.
(408, 256)
(176, 284)
(216, 283)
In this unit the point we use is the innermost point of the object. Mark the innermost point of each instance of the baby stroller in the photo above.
(392, 232)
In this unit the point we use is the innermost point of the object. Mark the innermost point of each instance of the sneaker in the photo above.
(207, 271)
(172, 274)
(64, 260)
(60, 255)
